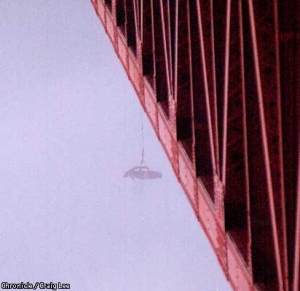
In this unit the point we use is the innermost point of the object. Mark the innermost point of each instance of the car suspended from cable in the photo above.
(142, 171)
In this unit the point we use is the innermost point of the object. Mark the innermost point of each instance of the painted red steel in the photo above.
(220, 83)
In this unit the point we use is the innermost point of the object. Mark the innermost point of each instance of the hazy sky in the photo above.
(70, 126)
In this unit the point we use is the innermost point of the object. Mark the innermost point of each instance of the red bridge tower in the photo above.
(220, 83)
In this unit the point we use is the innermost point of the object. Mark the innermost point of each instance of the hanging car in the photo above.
(143, 173)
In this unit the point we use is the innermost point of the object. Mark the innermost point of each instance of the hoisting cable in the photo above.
(143, 150)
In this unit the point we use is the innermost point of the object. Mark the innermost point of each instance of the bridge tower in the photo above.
(220, 83)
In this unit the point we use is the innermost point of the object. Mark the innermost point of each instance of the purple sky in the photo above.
(70, 126)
